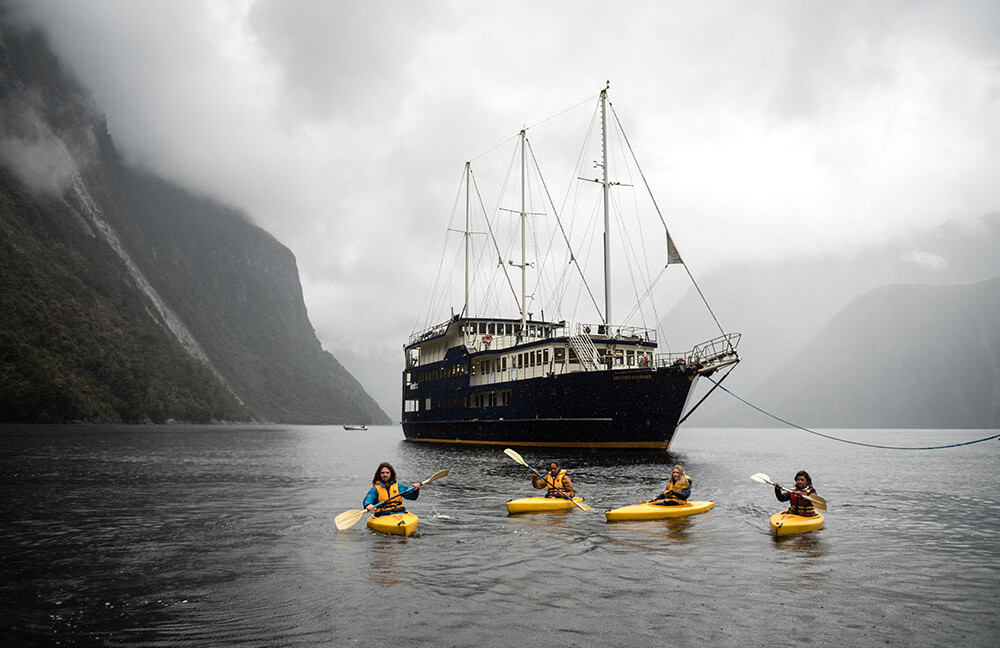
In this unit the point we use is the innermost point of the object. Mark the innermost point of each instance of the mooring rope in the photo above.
(833, 438)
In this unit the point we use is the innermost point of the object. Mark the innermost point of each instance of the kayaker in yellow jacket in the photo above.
(798, 505)
(557, 480)
(678, 489)
(384, 487)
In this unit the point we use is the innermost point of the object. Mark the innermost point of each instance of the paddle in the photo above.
(815, 499)
(519, 459)
(347, 519)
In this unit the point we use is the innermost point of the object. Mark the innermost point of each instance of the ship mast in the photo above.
(524, 259)
(468, 175)
(607, 228)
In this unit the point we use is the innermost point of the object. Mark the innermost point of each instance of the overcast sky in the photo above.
(766, 129)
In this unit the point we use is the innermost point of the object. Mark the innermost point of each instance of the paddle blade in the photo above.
(516, 457)
(347, 519)
(436, 476)
(817, 501)
(762, 478)
(584, 507)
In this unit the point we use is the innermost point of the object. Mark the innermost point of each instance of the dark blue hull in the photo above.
(630, 409)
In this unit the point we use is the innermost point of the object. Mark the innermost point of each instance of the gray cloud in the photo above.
(767, 130)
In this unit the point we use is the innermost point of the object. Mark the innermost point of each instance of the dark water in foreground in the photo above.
(220, 536)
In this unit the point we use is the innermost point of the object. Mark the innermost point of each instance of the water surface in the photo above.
(224, 536)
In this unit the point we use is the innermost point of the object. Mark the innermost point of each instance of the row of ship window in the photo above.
(521, 360)
(479, 399)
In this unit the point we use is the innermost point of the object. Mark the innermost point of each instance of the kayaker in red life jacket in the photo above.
(678, 488)
(384, 486)
(557, 480)
(798, 505)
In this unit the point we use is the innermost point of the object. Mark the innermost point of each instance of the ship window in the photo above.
(411, 405)
(491, 328)
(482, 328)
(559, 353)
(503, 363)
(508, 328)
(545, 356)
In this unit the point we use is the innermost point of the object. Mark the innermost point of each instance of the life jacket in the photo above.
(800, 505)
(395, 506)
(677, 487)
(554, 483)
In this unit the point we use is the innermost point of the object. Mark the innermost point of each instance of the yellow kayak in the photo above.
(657, 511)
(788, 524)
(540, 504)
(395, 524)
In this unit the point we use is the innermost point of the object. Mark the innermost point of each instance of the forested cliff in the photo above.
(126, 298)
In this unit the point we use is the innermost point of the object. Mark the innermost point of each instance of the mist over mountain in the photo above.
(127, 298)
(803, 318)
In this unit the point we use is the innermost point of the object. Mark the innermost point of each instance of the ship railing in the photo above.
(716, 353)
(707, 356)
(433, 331)
(661, 360)
(600, 331)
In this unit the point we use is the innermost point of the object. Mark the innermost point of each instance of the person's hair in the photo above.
(809, 481)
(392, 472)
(549, 465)
(684, 475)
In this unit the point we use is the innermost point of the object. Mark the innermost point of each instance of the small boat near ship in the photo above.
(657, 511)
(521, 380)
(355, 427)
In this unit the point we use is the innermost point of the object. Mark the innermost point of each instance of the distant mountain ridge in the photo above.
(127, 298)
(900, 356)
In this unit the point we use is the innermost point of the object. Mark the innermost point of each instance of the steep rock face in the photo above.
(128, 298)
(910, 356)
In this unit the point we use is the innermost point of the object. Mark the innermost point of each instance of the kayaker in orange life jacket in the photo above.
(678, 489)
(557, 480)
(798, 505)
(384, 486)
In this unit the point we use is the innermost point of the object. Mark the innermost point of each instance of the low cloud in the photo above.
(925, 260)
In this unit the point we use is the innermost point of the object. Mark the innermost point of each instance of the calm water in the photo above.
(218, 536)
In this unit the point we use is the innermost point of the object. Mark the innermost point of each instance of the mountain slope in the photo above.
(127, 298)
(911, 356)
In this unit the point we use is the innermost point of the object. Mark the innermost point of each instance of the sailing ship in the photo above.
(518, 380)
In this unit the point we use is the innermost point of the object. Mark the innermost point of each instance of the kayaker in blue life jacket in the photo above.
(384, 486)
(678, 489)
(798, 505)
(557, 480)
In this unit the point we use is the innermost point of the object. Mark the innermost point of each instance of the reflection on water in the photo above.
(386, 554)
(190, 536)
(803, 545)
